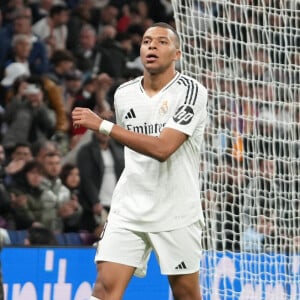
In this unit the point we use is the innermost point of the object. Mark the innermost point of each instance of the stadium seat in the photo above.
(72, 238)
(60, 238)
(17, 237)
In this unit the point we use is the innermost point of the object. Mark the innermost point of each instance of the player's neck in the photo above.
(153, 83)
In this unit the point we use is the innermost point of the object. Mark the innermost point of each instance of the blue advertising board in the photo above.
(69, 274)
(66, 274)
(249, 276)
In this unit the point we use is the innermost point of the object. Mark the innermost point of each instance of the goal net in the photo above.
(247, 54)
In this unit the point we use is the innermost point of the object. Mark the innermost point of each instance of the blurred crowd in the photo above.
(247, 54)
(56, 55)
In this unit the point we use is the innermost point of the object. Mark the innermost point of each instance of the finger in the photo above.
(76, 115)
(77, 110)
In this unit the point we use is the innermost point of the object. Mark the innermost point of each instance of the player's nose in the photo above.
(152, 44)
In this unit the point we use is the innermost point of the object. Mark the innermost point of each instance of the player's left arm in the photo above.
(160, 147)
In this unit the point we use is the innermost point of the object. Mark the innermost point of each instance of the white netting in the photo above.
(247, 53)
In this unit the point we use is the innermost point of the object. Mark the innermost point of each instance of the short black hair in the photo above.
(41, 236)
(52, 154)
(167, 26)
(62, 55)
(57, 9)
(22, 144)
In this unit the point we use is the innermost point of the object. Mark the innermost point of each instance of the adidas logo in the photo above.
(130, 114)
(181, 266)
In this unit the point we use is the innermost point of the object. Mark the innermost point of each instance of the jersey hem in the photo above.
(151, 227)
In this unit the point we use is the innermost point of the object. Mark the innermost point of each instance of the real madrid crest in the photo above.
(164, 107)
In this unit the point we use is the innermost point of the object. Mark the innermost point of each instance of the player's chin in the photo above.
(153, 70)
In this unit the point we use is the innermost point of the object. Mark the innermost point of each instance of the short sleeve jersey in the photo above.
(154, 196)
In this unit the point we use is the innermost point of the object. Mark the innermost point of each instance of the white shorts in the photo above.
(177, 251)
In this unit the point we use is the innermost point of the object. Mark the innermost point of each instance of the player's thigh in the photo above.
(185, 287)
(178, 251)
(125, 247)
(112, 279)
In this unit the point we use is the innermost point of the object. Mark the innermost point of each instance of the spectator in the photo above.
(8, 9)
(54, 101)
(75, 82)
(52, 29)
(27, 205)
(41, 148)
(107, 16)
(13, 83)
(38, 60)
(73, 85)
(62, 63)
(28, 119)
(140, 13)
(91, 58)
(20, 52)
(17, 158)
(100, 163)
(40, 9)
(119, 48)
(70, 177)
(82, 14)
(125, 18)
(60, 207)
(40, 236)
(10, 169)
(86, 96)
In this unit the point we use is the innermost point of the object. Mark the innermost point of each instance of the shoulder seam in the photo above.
(192, 89)
(133, 81)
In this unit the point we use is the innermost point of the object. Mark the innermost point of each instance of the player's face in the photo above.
(159, 50)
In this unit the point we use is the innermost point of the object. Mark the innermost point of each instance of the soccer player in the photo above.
(156, 206)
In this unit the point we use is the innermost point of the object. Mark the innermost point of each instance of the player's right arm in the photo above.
(160, 148)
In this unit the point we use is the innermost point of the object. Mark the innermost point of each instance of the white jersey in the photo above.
(154, 196)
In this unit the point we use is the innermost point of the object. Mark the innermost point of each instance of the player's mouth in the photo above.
(151, 58)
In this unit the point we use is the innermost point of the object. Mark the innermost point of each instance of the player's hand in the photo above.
(85, 117)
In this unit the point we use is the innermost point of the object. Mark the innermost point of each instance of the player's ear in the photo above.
(177, 55)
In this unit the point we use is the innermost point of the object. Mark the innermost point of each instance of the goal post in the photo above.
(247, 54)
